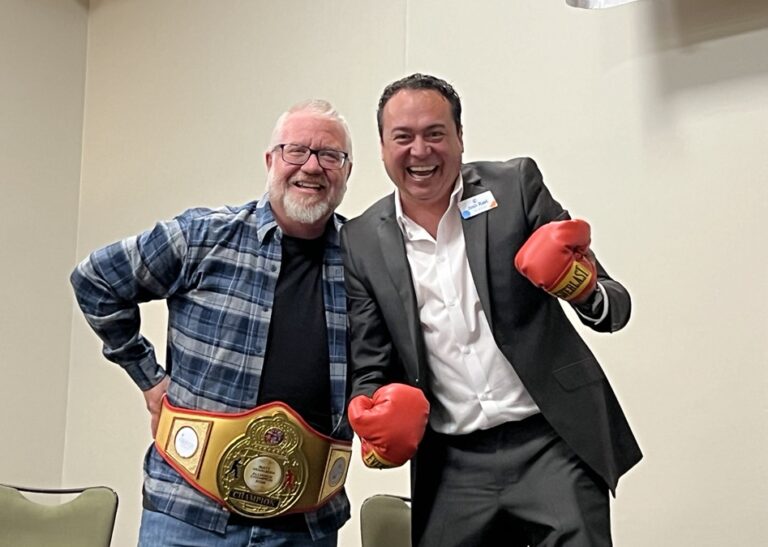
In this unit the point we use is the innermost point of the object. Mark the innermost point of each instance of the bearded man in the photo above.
(251, 444)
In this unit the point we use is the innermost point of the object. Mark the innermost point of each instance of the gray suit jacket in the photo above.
(529, 326)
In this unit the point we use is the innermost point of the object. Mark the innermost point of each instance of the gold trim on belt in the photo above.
(259, 463)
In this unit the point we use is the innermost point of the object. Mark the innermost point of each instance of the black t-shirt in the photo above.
(296, 367)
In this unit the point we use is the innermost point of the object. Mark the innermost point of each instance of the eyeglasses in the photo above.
(298, 154)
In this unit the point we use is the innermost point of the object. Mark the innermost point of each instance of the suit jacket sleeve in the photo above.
(618, 302)
(541, 208)
(373, 359)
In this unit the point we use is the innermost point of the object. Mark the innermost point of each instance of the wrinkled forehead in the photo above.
(313, 130)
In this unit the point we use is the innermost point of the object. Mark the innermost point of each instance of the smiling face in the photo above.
(421, 148)
(303, 197)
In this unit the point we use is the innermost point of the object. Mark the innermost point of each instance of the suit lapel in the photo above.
(476, 241)
(393, 251)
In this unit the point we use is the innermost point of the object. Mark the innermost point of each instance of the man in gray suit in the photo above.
(525, 436)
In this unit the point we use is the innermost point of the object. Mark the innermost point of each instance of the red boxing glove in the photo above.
(557, 258)
(390, 424)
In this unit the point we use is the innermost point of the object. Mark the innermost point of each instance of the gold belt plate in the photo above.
(260, 463)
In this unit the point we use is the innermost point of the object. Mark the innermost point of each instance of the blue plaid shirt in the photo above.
(217, 271)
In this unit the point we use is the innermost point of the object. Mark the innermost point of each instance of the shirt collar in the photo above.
(402, 218)
(266, 223)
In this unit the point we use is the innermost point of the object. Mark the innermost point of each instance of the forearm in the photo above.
(370, 350)
(115, 321)
(609, 308)
(620, 306)
(110, 284)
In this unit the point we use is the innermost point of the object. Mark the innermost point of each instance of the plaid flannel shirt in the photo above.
(217, 271)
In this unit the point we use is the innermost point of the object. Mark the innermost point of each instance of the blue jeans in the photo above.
(161, 530)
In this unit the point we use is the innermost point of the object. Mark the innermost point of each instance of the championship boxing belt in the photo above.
(259, 463)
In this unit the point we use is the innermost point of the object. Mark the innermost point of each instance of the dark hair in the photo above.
(421, 81)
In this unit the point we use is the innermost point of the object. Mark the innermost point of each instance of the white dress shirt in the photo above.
(473, 383)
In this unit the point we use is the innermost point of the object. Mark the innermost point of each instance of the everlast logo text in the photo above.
(579, 276)
(372, 461)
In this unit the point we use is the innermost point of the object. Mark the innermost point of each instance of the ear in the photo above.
(461, 139)
(268, 159)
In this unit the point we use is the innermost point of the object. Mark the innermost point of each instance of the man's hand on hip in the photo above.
(154, 399)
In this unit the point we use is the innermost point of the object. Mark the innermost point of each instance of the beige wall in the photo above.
(42, 75)
(649, 120)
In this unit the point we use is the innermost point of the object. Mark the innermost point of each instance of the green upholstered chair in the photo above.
(385, 521)
(54, 518)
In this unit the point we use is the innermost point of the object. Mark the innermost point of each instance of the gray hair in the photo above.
(314, 106)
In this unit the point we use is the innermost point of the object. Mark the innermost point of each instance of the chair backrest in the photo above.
(385, 521)
(87, 520)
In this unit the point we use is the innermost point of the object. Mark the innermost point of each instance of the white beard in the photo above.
(298, 209)
(304, 213)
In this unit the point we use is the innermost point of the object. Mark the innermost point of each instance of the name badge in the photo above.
(477, 204)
